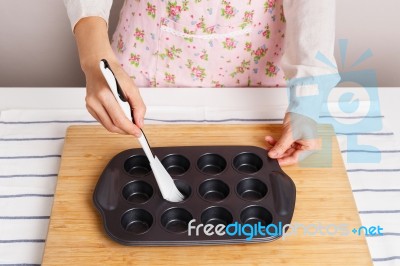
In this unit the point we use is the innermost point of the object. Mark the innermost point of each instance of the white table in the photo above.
(241, 98)
(374, 191)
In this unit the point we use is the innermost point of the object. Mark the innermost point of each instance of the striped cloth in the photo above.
(31, 143)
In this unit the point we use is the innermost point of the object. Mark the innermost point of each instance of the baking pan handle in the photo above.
(284, 193)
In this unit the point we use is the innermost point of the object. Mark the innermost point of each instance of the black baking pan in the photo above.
(233, 194)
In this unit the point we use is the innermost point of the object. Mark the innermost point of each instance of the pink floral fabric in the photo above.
(201, 43)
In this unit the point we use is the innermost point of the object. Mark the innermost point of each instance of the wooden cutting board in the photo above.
(76, 235)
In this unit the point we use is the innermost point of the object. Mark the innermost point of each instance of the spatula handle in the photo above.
(115, 88)
(123, 103)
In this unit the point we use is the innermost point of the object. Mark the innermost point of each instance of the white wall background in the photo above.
(37, 47)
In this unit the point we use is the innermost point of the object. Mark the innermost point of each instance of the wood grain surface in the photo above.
(76, 235)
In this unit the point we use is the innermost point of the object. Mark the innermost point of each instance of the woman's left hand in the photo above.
(298, 140)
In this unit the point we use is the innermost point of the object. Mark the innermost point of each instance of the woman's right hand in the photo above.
(93, 45)
(101, 104)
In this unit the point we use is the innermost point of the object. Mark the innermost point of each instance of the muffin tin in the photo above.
(222, 185)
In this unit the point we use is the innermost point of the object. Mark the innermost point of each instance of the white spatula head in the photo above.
(167, 186)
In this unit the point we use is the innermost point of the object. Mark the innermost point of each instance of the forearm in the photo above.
(91, 36)
(310, 35)
(310, 29)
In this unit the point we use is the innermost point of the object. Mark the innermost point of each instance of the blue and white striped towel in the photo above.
(31, 143)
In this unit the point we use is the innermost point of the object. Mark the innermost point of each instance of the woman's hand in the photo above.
(298, 140)
(93, 45)
(101, 104)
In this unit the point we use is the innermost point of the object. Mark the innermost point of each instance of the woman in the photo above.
(206, 43)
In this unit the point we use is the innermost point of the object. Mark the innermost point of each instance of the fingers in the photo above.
(93, 113)
(132, 94)
(105, 109)
(289, 152)
(117, 116)
(270, 140)
(100, 114)
(281, 146)
(102, 105)
(295, 152)
(137, 105)
(298, 140)
(294, 157)
(290, 159)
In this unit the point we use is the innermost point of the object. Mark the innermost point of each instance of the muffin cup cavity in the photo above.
(256, 214)
(176, 164)
(137, 221)
(137, 192)
(176, 220)
(216, 215)
(247, 163)
(137, 165)
(251, 189)
(214, 190)
(184, 188)
(211, 164)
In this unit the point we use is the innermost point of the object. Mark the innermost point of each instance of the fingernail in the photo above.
(141, 122)
(273, 154)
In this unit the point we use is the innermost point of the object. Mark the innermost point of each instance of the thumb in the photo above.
(132, 94)
(282, 145)
(137, 105)
(139, 111)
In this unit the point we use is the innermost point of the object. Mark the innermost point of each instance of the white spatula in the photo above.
(167, 186)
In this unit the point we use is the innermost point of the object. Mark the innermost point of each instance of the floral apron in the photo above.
(201, 43)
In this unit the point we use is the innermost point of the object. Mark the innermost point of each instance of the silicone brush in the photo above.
(164, 180)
